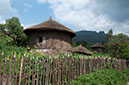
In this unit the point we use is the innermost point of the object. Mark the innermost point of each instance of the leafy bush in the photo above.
(7, 48)
(118, 46)
(126, 72)
(101, 77)
(100, 54)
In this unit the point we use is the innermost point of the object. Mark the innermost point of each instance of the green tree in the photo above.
(118, 46)
(4, 40)
(74, 44)
(15, 29)
(83, 43)
(89, 44)
(2, 27)
(109, 34)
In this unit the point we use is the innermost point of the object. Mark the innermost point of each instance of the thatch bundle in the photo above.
(97, 45)
(80, 49)
(49, 25)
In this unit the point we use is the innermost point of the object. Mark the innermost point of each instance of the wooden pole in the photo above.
(21, 70)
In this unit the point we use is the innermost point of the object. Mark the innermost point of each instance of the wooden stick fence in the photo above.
(51, 71)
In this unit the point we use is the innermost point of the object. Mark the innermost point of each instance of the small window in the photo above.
(40, 39)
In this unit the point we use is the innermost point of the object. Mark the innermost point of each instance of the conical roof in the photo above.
(97, 45)
(49, 25)
(81, 49)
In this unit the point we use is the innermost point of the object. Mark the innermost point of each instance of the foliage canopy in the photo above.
(118, 46)
(15, 30)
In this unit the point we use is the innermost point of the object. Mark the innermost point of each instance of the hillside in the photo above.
(90, 36)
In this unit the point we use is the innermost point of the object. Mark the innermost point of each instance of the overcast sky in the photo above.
(94, 15)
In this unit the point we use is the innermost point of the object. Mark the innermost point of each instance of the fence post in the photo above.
(59, 71)
(27, 62)
(1, 66)
(17, 69)
(83, 63)
(62, 71)
(95, 63)
(119, 65)
(53, 73)
(92, 61)
(21, 70)
(30, 62)
(109, 62)
(7, 83)
(86, 65)
(122, 64)
(78, 70)
(1, 62)
(125, 64)
(43, 68)
(80, 66)
(98, 62)
(89, 65)
(68, 70)
(75, 69)
(13, 68)
(34, 72)
(114, 63)
(47, 71)
(50, 67)
(104, 62)
(56, 63)
(38, 67)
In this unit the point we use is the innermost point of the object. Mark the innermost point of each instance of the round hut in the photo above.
(98, 48)
(50, 36)
(81, 50)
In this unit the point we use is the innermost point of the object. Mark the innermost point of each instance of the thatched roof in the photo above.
(82, 50)
(49, 25)
(97, 45)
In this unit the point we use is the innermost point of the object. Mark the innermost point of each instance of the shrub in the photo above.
(7, 48)
(118, 46)
(126, 72)
(101, 77)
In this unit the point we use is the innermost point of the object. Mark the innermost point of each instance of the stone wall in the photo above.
(55, 40)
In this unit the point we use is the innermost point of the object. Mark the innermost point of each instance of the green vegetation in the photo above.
(2, 27)
(109, 34)
(101, 55)
(117, 45)
(102, 77)
(126, 72)
(15, 31)
(7, 48)
(12, 38)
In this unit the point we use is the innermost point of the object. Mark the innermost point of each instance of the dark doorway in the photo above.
(40, 39)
